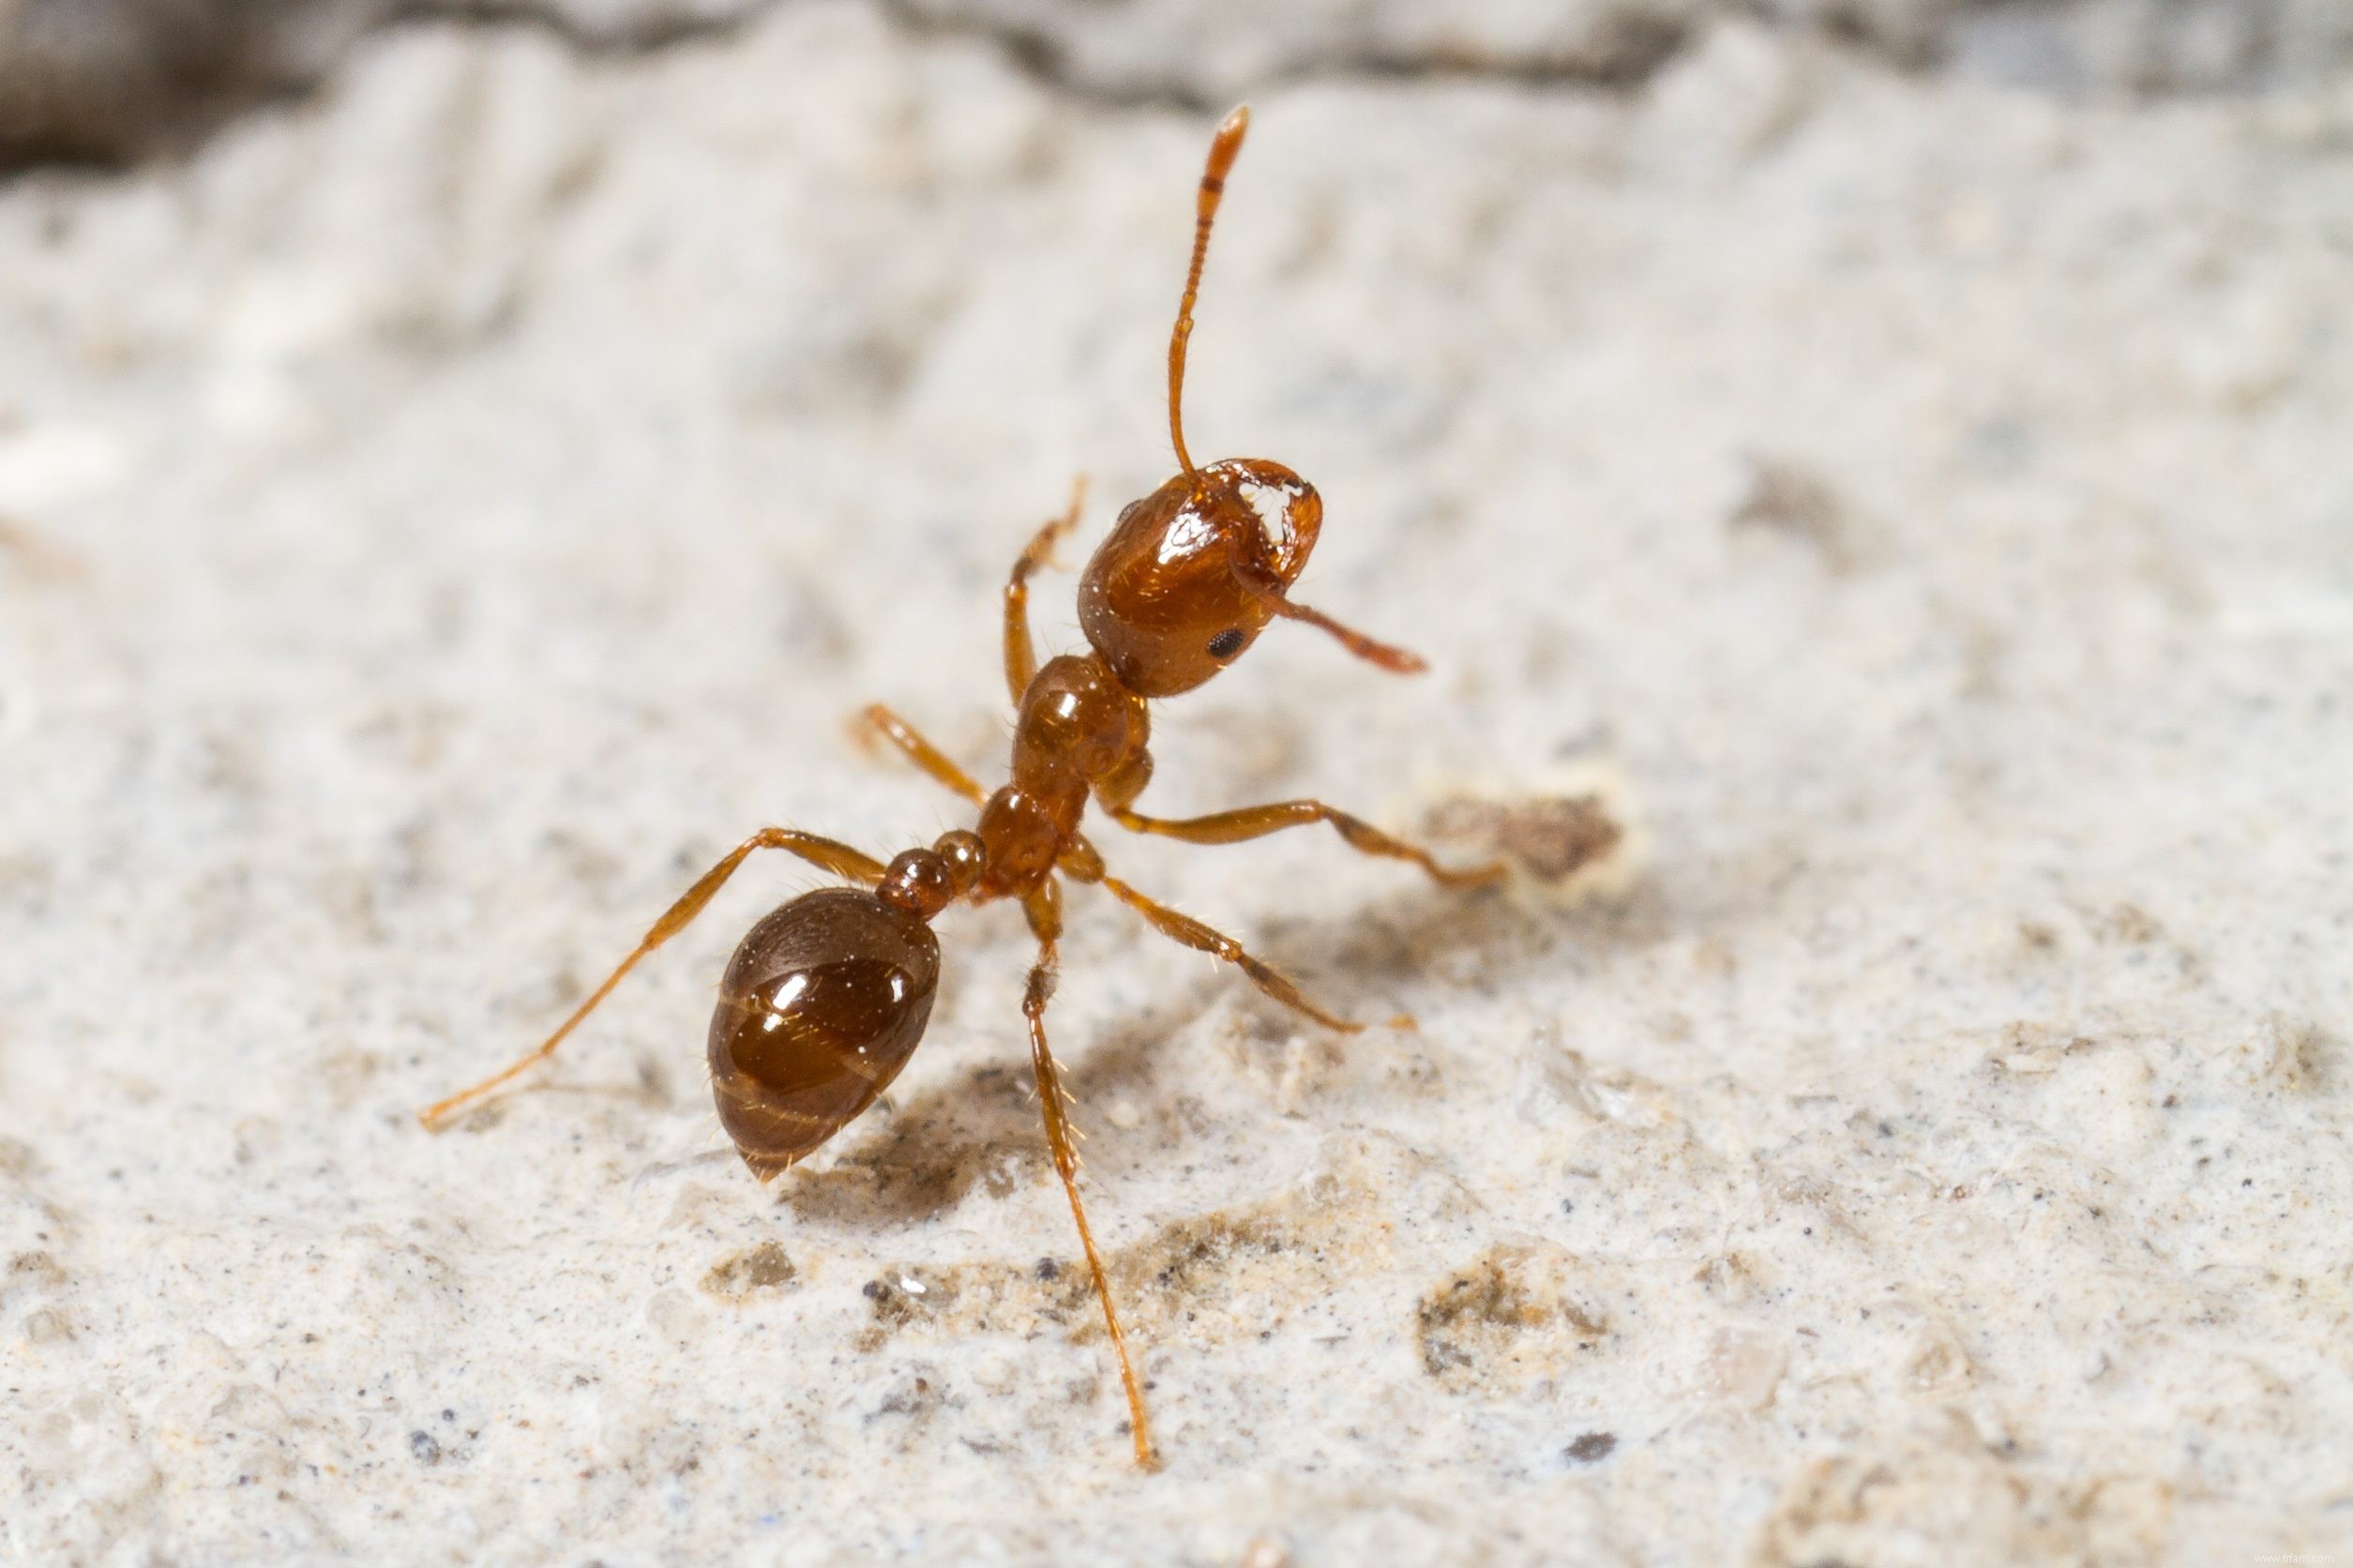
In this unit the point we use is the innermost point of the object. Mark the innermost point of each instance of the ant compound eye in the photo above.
(1227, 643)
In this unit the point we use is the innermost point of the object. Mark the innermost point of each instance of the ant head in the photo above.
(1193, 572)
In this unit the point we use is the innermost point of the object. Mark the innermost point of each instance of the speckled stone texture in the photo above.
(438, 519)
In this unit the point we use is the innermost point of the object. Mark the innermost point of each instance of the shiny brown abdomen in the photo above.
(821, 1007)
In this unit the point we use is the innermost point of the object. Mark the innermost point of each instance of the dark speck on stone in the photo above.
(1592, 1447)
(428, 1451)
(1049, 1269)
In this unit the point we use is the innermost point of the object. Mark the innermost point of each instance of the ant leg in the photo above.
(1257, 821)
(1020, 652)
(841, 859)
(1044, 907)
(920, 752)
(1080, 860)
(1203, 939)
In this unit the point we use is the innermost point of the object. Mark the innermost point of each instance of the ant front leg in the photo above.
(1020, 648)
(839, 858)
(1044, 907)
(1256, 821)
(920, 752)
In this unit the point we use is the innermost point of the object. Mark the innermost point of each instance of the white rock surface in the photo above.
(115, 80)
(439, 518)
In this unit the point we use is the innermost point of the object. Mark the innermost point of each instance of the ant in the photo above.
(828, 996)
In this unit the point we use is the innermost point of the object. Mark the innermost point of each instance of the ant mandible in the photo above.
(827, 997)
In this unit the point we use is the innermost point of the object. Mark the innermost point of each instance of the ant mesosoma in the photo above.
(828, 996)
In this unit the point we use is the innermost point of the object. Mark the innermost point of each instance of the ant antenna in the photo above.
(1222, 151)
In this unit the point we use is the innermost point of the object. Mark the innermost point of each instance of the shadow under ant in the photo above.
(978, 1126)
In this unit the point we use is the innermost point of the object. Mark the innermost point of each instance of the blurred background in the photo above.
(109, 79)
(462, 464)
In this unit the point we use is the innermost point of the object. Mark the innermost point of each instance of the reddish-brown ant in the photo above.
(828, 996)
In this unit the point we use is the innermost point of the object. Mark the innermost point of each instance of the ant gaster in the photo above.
(828, 996)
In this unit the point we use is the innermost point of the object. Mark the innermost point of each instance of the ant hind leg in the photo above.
(1044, 908)
(839, 858)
